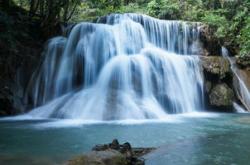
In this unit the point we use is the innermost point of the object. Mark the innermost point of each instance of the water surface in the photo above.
(201, 138)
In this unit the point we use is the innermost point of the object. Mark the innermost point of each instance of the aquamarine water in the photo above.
(193, 139)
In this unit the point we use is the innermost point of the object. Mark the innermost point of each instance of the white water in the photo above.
(242, 89)
(238, 108)
(131, 67)
(59, 123)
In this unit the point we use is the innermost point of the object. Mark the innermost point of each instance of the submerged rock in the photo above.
(221, 95)
(112, 154)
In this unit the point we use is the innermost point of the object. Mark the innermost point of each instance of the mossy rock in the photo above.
(209, 40)
(107, 157)
(216, 65)
(243, 61)
(221, 95)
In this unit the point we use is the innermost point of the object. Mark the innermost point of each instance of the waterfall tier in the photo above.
(125, 66)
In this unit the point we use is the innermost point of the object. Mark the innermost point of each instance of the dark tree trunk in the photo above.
(6, 4)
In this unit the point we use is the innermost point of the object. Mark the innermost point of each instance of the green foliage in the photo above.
(82, 13)
(103, 4)
(132, 7)
(170, 10)
(49, 11)
(155, 7)
(164, 9)
(228, 18)
(216, 21)
(244, 39)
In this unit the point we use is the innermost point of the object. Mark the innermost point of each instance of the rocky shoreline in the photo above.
(112, 154)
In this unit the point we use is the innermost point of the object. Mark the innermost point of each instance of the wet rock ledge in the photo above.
(218, 80)
(112, 154)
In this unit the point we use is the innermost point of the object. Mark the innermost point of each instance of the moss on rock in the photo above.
(216, 65)
(221, 95)
(107, 157)
(243, 61)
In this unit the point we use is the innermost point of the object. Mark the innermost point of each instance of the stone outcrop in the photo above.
(211, 44)
(107, 157)
(222, 84)
(112, 154)
(243, 62)
(221, 95)
(216, 66)
(218, 80)
(20, 50)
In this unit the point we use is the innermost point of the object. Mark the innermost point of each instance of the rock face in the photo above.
(112, 154)
(107, 157)
(210, 42)
(216, 65)
(20, 51)
(221, 95)
(218, 79)
(243, 62)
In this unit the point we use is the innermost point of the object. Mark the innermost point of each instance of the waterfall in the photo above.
(125, 66)
(241, 89)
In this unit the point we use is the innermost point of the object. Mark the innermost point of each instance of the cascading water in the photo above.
(242, 90)
(126, 66)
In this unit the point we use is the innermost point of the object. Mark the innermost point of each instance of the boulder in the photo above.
(115, 145)
(218, 79)
(215, 65)
(221, 96)
(100, 147)
(112, 154)
(107, 157)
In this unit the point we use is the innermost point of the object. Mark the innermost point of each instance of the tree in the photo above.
(6, 4)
